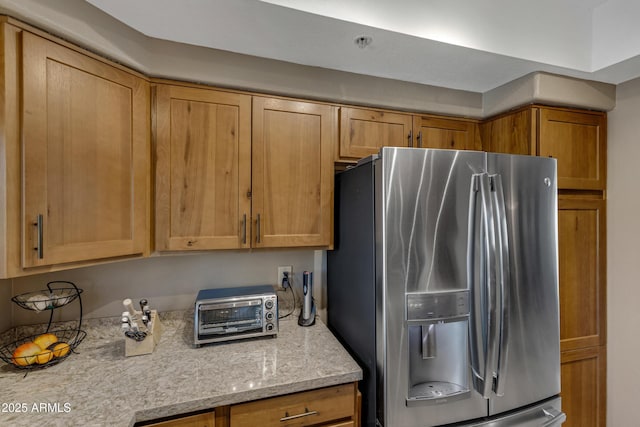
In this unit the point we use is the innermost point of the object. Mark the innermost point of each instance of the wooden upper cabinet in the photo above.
(444, 132)
(513, 133)
(578, 140)
(203, 169)
(292, 165)
(581, 242)
(363, 132)
(86, 151)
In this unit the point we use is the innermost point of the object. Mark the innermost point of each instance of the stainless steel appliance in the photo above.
(444, 286)
(235, 313)
(308, 312)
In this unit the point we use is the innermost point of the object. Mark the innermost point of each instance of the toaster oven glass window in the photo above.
(216, 319)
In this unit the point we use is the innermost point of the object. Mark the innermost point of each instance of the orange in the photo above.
(44, 356)
(45, 340)
(25, 354)
(61, 349)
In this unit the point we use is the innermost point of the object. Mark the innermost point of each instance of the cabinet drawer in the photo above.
(199, 420)
(300, 409)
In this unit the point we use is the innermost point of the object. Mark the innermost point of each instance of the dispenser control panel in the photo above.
(437, 305)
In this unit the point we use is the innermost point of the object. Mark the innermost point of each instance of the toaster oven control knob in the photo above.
(269, 326)
(269, 316)
(268, 304)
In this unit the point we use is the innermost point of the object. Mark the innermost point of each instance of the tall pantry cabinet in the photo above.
(577, 139)
(75, 156)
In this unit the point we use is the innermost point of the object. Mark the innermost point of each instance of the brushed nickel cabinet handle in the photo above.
(410, 138)
(258, 229)
(288, 417)
(420, 139)
(244, 229)
(40, 237)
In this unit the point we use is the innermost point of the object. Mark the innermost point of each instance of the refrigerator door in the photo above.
(528, 343)
(426, 202)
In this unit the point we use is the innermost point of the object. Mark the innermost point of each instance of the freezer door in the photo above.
(546, 414)
(528, 368)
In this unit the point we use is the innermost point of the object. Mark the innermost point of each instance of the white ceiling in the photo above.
(463, 44)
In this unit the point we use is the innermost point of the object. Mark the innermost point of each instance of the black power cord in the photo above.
(286, 284)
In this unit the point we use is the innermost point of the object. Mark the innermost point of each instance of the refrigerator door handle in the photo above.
(503, 278)
(490, 260)
(476, 338)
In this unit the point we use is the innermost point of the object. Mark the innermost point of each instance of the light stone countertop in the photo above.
(99, 386)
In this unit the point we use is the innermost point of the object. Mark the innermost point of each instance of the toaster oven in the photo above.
(235, 313)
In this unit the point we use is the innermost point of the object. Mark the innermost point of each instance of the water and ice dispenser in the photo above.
(438, 324)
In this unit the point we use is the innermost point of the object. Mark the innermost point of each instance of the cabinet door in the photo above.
(583, 374)
(513, 133)
(292, 166)
(443, 132)
(203, 169)
(364, 132)
(86, 157)
(581, 241)
(578, 141)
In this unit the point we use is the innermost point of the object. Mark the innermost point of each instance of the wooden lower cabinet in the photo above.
(335, 406)
(583, 392)
(330, 406)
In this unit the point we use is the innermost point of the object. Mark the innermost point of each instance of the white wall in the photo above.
(168, 282)
(623, 257)
(82, 23)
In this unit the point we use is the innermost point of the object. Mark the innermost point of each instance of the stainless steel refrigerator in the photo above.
(443, 285)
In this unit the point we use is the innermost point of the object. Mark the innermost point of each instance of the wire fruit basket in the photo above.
(52, 346)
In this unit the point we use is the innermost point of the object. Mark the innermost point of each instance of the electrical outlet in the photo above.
(281, 271)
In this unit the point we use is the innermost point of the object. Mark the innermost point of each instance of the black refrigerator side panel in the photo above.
(351, 302)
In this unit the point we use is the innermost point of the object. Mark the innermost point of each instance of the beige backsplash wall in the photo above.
(168, 282)
(5, 305)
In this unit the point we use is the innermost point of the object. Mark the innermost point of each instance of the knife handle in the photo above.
(129, 306)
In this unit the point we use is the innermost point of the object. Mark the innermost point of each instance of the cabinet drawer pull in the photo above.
(306, 413)
(410, 138)
(420, 139)
(39, 242)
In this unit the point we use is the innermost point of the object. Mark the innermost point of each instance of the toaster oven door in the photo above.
(230, 318)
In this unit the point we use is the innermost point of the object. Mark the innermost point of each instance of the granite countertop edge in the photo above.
(242, 397)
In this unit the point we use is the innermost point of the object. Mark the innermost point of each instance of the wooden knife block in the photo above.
(146, 346)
